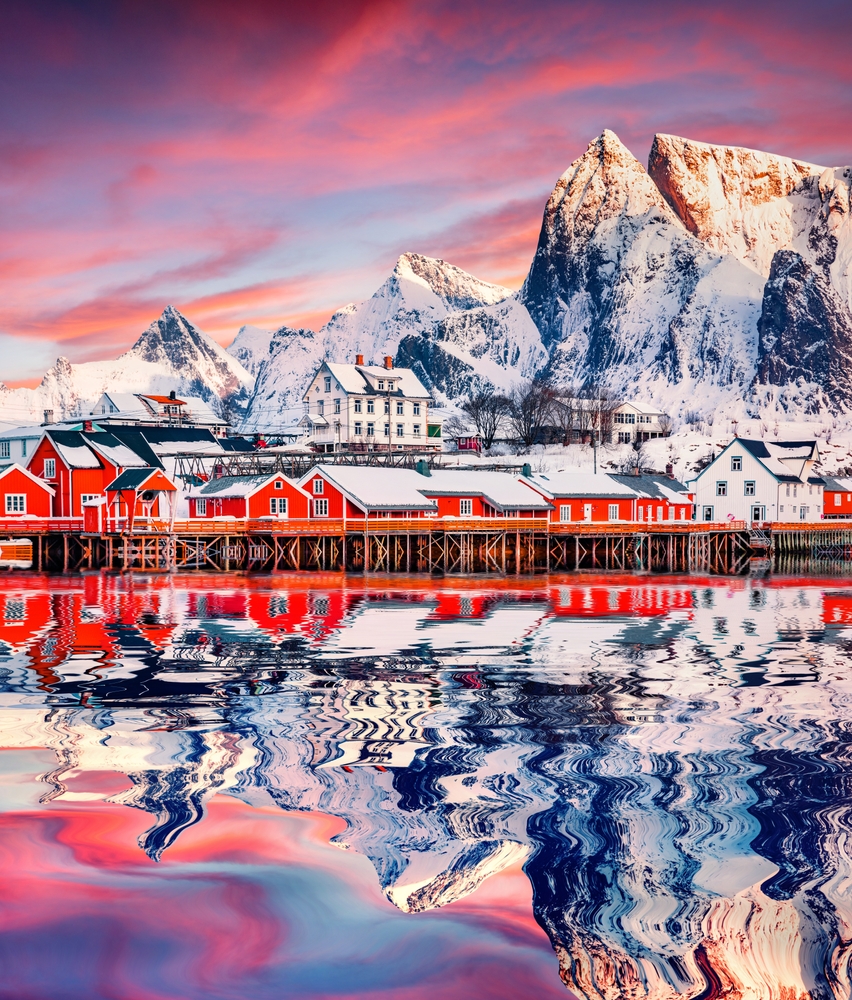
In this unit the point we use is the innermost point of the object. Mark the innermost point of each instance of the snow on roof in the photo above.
(501, 489)
(74, 451)
(117, 453)
(377, 488)
(27, 431)
(237, 486)
(132, 479)
(655, 487)
(126, 402)
(579, 484)
(352, 379)
(834, 485)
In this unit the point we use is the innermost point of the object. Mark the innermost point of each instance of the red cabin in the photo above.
(583, 496)
(659, 498)
(837, 498)
(462, 493)
(147, 492)
(340, 491)
(24, 495)
(267, 497)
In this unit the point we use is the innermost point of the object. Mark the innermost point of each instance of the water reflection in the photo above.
(668, 761)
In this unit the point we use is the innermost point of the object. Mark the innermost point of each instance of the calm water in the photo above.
(325, 788)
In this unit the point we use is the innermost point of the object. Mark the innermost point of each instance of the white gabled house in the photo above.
(634, 422)
(367, 408)
(761, 481)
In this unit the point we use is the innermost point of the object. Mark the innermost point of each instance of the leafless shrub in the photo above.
(530, 406)
(486, 409)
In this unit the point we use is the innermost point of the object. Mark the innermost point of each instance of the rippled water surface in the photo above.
(615, 787)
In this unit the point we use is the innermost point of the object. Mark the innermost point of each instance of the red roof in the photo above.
(167, 399)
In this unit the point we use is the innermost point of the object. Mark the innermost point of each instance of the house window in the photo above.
(415, 430)
(400, 408)
(319, 486)
(613, 512)
(387, 406)
(279, 485)
(721, 489)
(321, 407)
(564, 512)
(381, 386)
(708, 513)
(749, 489)
(4, 449)
(328, 383)
(624, 437)
(400, 430)
(387, 430)
(465, 508)
(337, 406)
(24, 448)
(357, 428)
(321, 508)
(788, 489)
(278, 506)
(201, 508)
(50, 468)
(86, 497)
(659, 513)
(371, 430)
(371, 406)
(416, 407)
(357, 405)
(16, 503)
(837, 499)
(736, 463)
(795, 489)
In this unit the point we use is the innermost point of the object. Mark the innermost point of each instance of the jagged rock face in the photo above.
(737, 201)
(293, 356)
(805, 333)
(625, 296)
(251, 348)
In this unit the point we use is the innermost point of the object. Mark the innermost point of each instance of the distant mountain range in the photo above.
(719, 277)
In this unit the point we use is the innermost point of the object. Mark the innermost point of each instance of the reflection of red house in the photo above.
(23, 494)
(602, 601)
(272, 497)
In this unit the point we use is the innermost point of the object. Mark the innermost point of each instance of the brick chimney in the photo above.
(388, 362)
(670, 471)
(359, 359)
(48, 416)
(87, 426)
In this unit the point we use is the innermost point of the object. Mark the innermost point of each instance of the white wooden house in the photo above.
(761, 481)
(367, 408)
(635, 422)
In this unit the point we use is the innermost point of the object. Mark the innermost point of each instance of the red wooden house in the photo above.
(462, 493)
(79, 465)
(583, 496)
(659, 498)
(341, 491)
(23, 494)
(270, 497)
(837, 498)
(147, 492)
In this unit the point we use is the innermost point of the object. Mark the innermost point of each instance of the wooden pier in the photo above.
(438, 546)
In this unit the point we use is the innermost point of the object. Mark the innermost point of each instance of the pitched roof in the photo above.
(163, 399)
(580, 485)
(238, 486)
(74, 450)
(834, 485)
(655, 487)
(375, 488)
(132, 479)
(773, 455)
(501, 489)
(351, 379)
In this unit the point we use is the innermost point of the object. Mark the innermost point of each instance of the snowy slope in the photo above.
(170, 354)
(293, 356)
(251, 347)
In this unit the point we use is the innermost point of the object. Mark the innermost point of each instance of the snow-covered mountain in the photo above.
(170, 354)
(720, 279)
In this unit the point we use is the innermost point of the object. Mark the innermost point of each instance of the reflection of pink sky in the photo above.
(267, 163)
(235, 903)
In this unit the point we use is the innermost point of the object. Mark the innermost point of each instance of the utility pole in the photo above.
(595, 451)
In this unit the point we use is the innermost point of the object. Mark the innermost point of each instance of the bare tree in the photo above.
(530, 404)
(666, 425)
(635, 460)
(563, 412)
(486, 409)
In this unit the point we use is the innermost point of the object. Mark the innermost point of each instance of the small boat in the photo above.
(16, 553)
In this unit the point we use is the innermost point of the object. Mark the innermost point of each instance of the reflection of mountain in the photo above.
(670, 760)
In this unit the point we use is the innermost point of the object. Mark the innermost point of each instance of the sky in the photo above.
(267, 162)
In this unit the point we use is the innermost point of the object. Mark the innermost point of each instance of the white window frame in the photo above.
(319, 487)
(16, 503)
(416, 408)
(565, 512)
(321, 507)
(358, 428)
(736, 463)
(5, 449)
(400, 408)
(357, 405)
(613, 512)
(400, 430)
(201, 507)
(371, 429)
(415, 430)
(709, 515)
(837, 499)
(466, 508)
(721, 488)
(49, 469)
(749, 488)
(279, 485)
(278, 506)
(327, 383)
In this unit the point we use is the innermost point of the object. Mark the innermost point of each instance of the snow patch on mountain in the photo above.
(251, 347)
